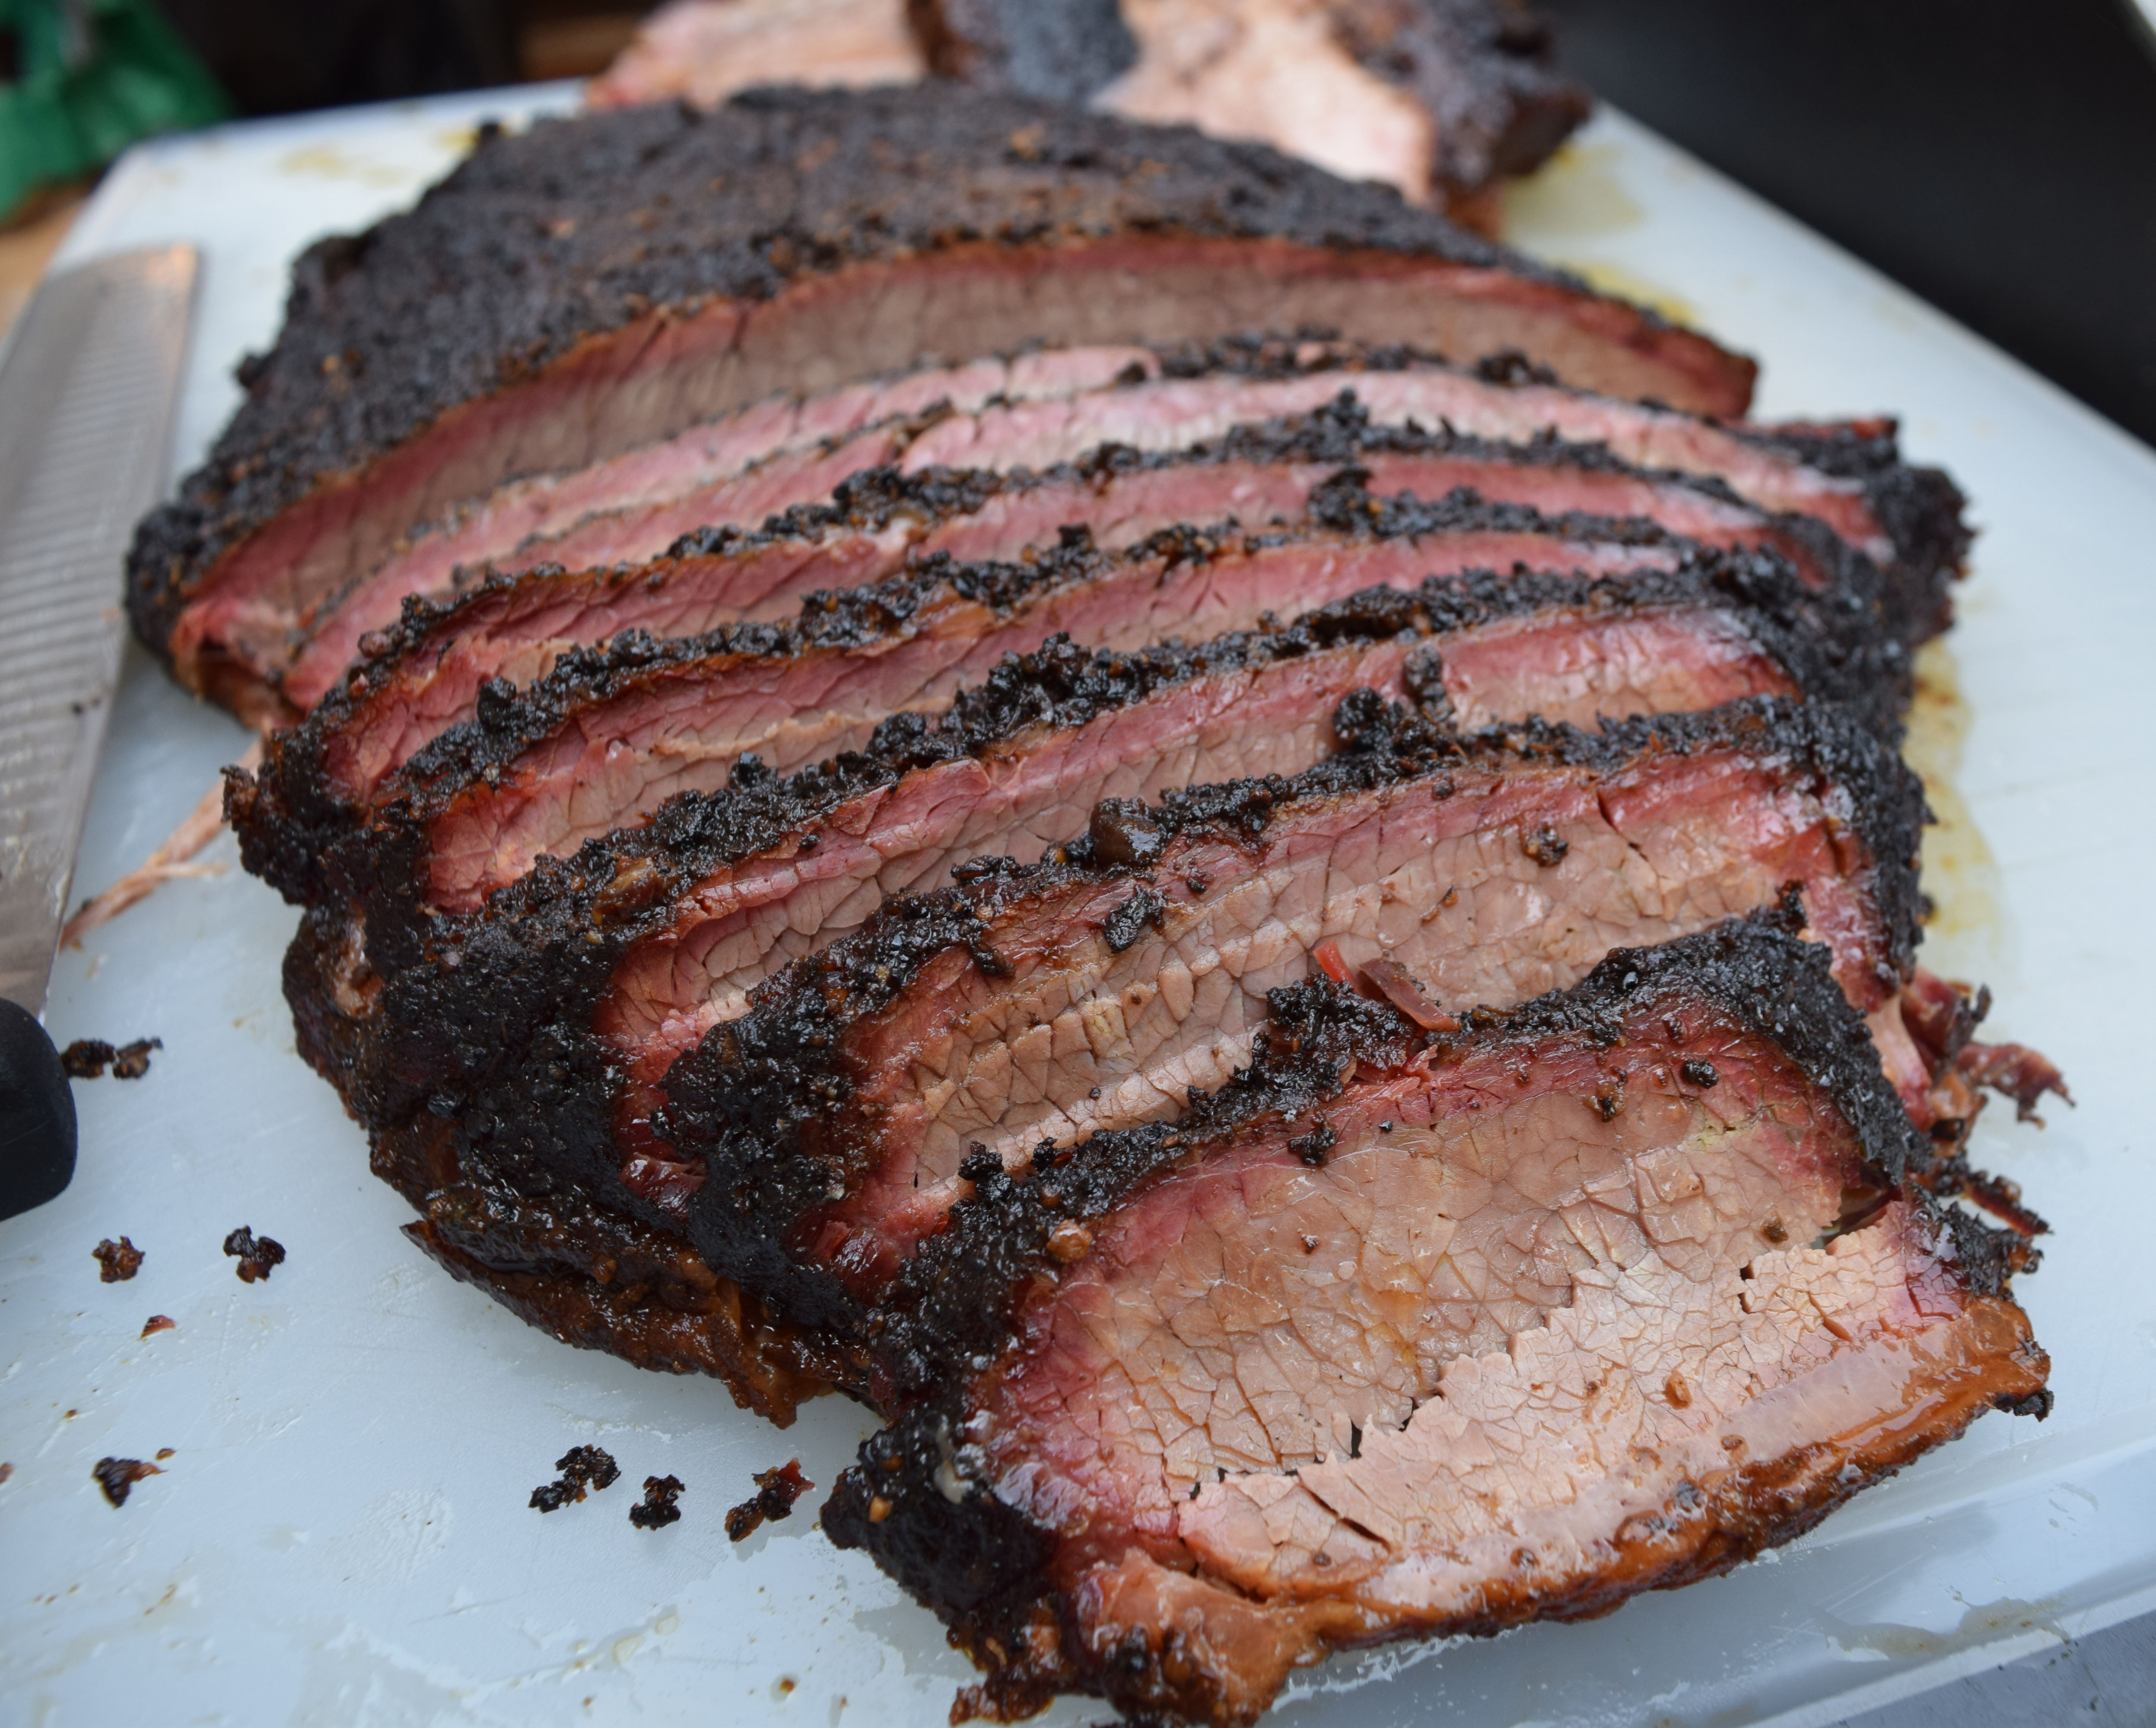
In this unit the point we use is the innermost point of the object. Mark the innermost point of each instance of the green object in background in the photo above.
(91, 77)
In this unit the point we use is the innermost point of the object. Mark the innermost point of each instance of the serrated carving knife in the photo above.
(89, 386)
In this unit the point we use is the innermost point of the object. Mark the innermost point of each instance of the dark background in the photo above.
(1996, 157)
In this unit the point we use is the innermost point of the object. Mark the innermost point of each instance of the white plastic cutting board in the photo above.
(342, 1534)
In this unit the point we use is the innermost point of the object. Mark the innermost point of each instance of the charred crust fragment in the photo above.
(1311, 1147)
(257, 1256)
(117, 1476)
(582, 1468)
(1131, 920)
(1544, 845)
(86, 1059)
(657, 1509)
(776, 1490)
(1510, 367)
(130, 1061)
(116, 1261)
(1122, 833)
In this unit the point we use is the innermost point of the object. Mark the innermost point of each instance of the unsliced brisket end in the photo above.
(1055, 407)
(1403, 1335)
(1100, 986)
(671, 266)
(907, 640)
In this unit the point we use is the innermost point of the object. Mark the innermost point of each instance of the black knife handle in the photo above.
(37, 1114)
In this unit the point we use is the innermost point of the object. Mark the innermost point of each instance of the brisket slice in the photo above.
(782, 453)
(750, 877)
(1128, 970)
(880, 647)
(612, 734)
(1466, 651)
(520, 1054)
(671, 266)
(1321, 468)
(1398, 1336)
(767, 457)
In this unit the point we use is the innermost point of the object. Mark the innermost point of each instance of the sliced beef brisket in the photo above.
(1469, 651)
(1321, 469)
(766, 459)
(1039, 410)
(1400, 1334)
(612, 734)
(854, 656)
(1850, 476)
(722, 889)
(520, 1053)
(1128, 970)
(671, 266)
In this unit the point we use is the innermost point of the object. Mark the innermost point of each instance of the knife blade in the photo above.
(88, 390)
(89, 386)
